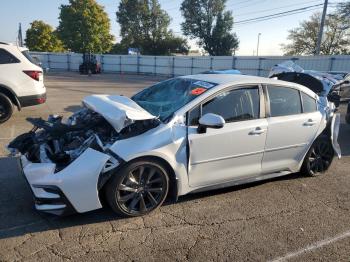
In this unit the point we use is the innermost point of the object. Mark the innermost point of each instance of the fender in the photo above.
(334, 128)
(8, 91)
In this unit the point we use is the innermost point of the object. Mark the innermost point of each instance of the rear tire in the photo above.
(319, 157)
(138, 188)
(6, 108)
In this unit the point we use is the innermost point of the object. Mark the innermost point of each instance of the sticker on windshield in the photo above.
(197, 91)
(203, 84)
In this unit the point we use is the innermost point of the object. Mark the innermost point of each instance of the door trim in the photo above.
(285, 147)
(227, 157)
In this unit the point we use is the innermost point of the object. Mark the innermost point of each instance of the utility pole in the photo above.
(257, 47)
(19, 37)
(320, 32)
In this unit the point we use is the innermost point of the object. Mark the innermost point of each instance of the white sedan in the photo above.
(182, 135)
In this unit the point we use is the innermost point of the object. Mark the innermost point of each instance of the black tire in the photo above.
(6, 108)
(347, 116)
(138, 188)
(319, 157)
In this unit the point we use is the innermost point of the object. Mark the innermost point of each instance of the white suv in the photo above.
(21, 81)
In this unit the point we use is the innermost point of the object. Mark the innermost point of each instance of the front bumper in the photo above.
(73, 189)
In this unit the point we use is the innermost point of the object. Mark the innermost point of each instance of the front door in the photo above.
(234, 151)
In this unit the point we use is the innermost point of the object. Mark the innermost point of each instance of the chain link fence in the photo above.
(186, 65)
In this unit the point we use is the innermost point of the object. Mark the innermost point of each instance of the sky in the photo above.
(273, 32)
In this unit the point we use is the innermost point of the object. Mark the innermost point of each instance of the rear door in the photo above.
(234, 151)
(292, 126)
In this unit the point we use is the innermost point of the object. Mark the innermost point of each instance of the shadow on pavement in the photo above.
(73, 108)
(18, 216)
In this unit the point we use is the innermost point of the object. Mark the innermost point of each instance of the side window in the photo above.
(235, 105)
(309, 103)
(284, 101)
(7, 58)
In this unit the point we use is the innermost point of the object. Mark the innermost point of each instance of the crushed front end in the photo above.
(66, 163)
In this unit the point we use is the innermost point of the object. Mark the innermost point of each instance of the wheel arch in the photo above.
(173, 187)
(11, 95)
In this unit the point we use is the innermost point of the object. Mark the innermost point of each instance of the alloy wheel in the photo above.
(142, 189)
(2, 111)
(320, 157)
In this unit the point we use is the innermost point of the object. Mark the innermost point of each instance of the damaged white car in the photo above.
(183, 135)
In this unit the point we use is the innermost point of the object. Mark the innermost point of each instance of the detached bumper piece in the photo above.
(53, 201)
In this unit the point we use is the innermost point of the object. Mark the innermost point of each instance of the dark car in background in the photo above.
(344, 87)
(90, 64)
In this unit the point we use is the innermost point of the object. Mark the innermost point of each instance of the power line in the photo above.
(262, 20)
(242, 2)
(269, 18)
(245, 6)
(276, 8)
(276, 14)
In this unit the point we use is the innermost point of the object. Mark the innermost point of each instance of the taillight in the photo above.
(33, 74)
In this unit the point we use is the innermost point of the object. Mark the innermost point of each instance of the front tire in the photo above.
(138, 188)
(319, 157)
(6, 108)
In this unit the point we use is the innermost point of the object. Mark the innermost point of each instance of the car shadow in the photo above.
(73, 108)
(22, 218)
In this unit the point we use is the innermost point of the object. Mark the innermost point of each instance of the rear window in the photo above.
(284, 101)
(29, 57)
(7, 58)
(309, 103)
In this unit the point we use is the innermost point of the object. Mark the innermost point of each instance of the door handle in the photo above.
(257, 131)
(310, 122)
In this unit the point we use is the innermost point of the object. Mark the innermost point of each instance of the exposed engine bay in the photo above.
(61, 142)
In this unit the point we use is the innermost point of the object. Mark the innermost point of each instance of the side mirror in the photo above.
(210, 121)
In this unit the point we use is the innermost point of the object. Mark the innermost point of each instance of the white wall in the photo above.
(185, 65)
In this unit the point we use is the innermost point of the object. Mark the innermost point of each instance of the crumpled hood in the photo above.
(119, 111)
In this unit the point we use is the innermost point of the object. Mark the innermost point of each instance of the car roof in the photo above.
(230, 79)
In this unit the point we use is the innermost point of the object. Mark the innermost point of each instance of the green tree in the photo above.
(41, 37)
(144, 25)
(84, 26)
(207, 21)
(335, 40)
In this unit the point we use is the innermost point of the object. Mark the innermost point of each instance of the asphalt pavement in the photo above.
(293, 218)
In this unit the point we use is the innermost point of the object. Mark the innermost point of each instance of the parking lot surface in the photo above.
(293, 218)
